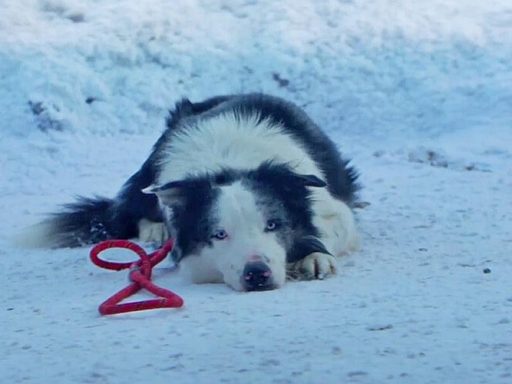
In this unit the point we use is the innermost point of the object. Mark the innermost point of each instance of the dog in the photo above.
(250, 188)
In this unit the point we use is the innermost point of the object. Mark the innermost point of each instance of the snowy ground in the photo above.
(419, 95)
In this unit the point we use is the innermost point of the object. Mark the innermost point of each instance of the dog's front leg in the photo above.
(314, 266)
(309, 259)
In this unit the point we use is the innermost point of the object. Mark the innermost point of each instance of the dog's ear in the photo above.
(283, 174)
(177, 192)
(312, 181)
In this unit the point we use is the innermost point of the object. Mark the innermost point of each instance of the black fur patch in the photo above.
(278, 182)
(87, 221)
(132, 204)
(192, 220)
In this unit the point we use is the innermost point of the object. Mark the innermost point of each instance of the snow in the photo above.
(418, 94)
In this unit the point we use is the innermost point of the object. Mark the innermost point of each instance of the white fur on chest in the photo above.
(226, 141)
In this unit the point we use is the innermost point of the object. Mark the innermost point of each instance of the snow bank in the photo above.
(381, 67)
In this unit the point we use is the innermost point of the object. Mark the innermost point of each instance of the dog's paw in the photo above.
(314, 266)
(152, 232)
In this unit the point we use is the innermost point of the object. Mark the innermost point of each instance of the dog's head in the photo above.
(238, 226)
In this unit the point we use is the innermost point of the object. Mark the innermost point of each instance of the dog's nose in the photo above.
(257, 276)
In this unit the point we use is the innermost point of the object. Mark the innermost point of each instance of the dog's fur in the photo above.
(248, 185)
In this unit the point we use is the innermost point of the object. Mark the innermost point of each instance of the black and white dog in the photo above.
(248, 186)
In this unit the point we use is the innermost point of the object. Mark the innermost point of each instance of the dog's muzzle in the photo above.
(257, 276)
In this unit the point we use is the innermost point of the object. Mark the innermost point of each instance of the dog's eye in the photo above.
(220, 234)
(272, 225)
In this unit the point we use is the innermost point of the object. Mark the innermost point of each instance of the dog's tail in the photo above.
(87, 221)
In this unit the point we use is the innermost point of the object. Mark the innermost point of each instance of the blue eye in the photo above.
(272, 225)
(220, 234)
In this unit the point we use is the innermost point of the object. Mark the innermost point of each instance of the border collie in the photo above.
(249, 187)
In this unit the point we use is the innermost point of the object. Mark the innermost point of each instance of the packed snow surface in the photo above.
(418, 94)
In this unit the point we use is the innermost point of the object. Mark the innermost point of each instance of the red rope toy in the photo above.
(140, 275)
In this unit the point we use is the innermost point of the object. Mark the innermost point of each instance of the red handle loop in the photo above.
(140, 275)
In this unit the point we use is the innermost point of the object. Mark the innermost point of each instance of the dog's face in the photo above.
(238, 227)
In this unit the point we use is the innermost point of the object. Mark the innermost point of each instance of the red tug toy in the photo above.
(140, 275)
